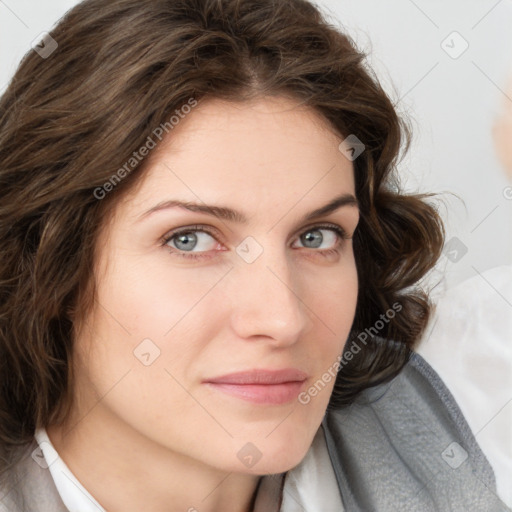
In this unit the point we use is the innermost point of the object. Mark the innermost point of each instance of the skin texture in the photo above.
(142, 437)
(502, 131)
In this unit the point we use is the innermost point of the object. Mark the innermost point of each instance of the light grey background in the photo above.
(451, 102)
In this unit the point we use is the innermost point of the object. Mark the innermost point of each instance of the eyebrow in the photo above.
(228, 214)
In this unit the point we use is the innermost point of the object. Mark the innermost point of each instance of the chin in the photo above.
(279, 458)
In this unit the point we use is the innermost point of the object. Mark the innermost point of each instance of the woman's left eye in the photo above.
(196, 242)
(322, 238)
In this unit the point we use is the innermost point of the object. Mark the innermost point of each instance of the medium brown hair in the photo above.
(70, 121)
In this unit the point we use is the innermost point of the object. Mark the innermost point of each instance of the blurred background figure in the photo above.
(469, 340)
(503, 131)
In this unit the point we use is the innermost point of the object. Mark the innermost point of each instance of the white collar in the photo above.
(311, 485)
(72, 492)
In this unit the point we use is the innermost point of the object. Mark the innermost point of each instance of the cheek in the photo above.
(148, 318)
(149, 329)
(332, 299)
(151, 296)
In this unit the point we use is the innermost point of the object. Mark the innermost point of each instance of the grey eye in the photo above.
(323, 238)
(185, 241)
(192, 241)
(312, 239)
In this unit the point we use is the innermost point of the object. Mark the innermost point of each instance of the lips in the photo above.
(261, 386)
(262, 377)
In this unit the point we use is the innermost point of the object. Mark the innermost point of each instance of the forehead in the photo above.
(260, 154)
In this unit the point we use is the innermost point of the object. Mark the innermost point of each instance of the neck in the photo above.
(125, 471)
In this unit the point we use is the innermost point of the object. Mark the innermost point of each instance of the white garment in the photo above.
(469, 344)
(312, 484)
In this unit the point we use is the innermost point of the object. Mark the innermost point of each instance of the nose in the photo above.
(267, 301)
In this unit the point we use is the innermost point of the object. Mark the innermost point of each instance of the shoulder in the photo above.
(402, 441)
(28, 485)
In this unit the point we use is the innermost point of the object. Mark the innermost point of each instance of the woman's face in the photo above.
(260, 281)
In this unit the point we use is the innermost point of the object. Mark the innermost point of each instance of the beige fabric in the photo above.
(30, 487)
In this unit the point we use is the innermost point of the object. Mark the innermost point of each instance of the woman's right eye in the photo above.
(192, 241)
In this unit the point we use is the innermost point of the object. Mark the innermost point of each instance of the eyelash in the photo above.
(342, 234)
